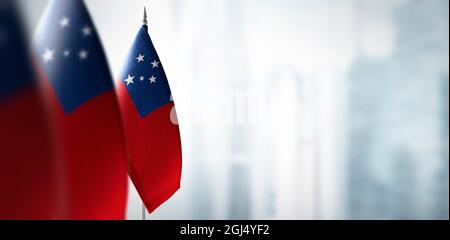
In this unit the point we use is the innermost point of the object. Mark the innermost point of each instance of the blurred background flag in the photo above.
(86, 113)
(151, 128)
(27, 166)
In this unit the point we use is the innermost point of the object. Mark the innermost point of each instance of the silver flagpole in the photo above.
(145, 16)
(143, 212)
(143, 206)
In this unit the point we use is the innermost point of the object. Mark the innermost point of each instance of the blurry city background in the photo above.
(359, 122)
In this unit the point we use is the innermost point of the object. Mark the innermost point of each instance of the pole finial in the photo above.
(145, 16)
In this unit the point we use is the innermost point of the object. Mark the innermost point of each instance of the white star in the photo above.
(66, 53)
(155, 64)
(142, 78)
(87, 31)
(129, 80)
(83, 54)
(152, 79)
(48, 55)
(64, 22)
(140, 58)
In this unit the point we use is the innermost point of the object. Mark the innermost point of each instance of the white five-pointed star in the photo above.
(142, 78)
(83, 54)
(87, 31)
(140, 58)
(129, 80)
(64, 22)
(152, 79)
(66, 53)
(48, 55)
(155, 64)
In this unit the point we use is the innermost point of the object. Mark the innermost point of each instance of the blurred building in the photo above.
(442, 178)
(395, 125)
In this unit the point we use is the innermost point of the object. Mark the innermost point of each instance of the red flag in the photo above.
(28, 187)
(151, 132)
(85, 113)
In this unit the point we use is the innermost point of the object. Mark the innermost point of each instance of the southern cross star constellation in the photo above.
(152, 79)
(83, 54)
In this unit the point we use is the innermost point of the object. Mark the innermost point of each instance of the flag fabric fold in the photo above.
(28, 183)
(85, 113)
(151, 130)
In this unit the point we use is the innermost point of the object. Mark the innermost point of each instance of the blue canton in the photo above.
(71, 54)
(144, 76)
